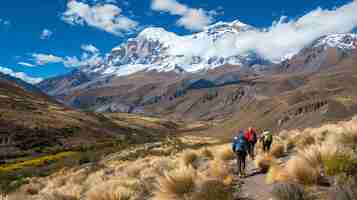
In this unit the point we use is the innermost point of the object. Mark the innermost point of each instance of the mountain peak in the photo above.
(157, 34)
(339, 40)
(234, 25)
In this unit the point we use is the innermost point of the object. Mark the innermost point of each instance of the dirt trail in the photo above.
(254, 186)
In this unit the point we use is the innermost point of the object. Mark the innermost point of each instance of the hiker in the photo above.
(267, 140)
(240, 147)
(251, 136)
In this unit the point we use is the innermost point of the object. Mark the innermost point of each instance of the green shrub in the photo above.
(347, 191)
(70, 131)
(340, 163)
(290, 191)
(88, 157)
(213, 190)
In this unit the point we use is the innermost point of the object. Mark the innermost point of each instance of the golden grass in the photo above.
(176, 184)
(187, 175)
(54, 196)
(32, 188)
(289, 144)
(207, 153)
(301, 171)
(290, 191)
(307, 166)
(163, 165)
(276, 174)
(188, 158)
(135, 169)
(304, 140)
(277, 150)
(115, 190)
(264, 162)
(219, 170)
(17, 196)
(226, 153)
(70, 191)
(212, 189)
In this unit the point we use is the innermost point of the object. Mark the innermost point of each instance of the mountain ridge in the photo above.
(141, 76)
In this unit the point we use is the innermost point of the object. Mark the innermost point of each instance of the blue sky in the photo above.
(38, 27)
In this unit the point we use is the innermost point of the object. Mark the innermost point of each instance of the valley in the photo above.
(169, 115)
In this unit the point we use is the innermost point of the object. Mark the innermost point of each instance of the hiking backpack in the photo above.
(239, 144)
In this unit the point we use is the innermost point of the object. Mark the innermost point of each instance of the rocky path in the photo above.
(254, 186)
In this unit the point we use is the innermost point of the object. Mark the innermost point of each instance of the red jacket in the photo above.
(249, 135)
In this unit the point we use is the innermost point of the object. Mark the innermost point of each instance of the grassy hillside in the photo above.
(39, 135)
(310, 164)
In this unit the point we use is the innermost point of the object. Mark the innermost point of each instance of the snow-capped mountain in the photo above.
(155, 49)
(163, 51)
(328, 50)
(342, 41)
(164, 67)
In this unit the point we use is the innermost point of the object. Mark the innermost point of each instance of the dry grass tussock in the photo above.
(310, 165)
(219, 170)
(345, 191)
(212, 189)
(277, 174)
(264, 162)
(187, 183)
(177, 184)
(187, 175)
(225, 153)
(188, 158)
(290, 191)
(207, 153)
(343, 133)
(277, 150)
(329, 150)
(129, 189)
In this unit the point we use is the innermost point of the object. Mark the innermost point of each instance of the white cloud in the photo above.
(91, 58)
(89, 48)
(107, 17)
(284, 37)
(191, 18)
(21, 75)
(84, 61)
(43, 59)
(195, 19)
(26, 64)
(288, 37)
(46, 34)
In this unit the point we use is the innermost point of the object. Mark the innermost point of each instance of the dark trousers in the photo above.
(267, 146)
(251, 149)
(241, 158)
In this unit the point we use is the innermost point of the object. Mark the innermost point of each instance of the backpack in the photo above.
(240, 144)
(268, 137)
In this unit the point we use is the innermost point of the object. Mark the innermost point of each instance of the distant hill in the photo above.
(19, 82)
(31, 123)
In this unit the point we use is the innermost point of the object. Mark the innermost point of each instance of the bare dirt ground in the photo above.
(254, 186)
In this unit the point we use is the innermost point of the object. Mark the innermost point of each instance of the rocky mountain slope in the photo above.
(325, 52)
(151, 74)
